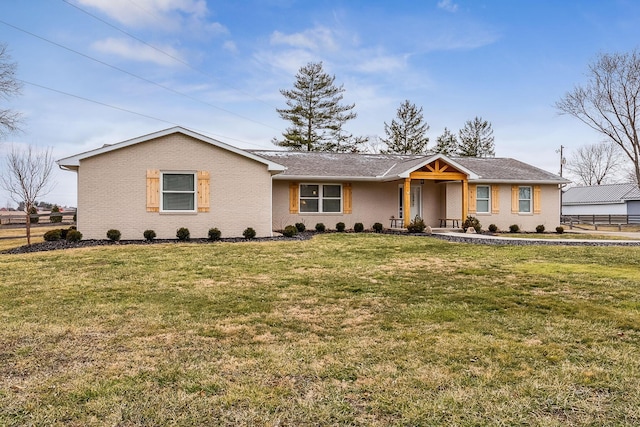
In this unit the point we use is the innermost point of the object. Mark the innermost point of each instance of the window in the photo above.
(320, 198)
(483, 198)
(178, 192)
(524, 199)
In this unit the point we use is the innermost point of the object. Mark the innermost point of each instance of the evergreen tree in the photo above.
(316, 114)
(446, 144)
(476, 139)
(407, 132)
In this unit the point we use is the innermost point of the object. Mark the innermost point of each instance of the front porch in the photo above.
(444, 174)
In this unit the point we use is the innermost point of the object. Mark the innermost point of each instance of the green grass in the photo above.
(342, 329)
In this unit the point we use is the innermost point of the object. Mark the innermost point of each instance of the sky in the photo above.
(98, 72)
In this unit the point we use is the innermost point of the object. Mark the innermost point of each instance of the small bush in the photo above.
(249, 233)
(214, 234)
(149, 235)
(540, 228)
(377, 227)
(301, 227)
(472, 222)
(417, 225)
(340, 227)
(113, 235)
(560, 230)
(55, 216)
(53, 235)
(73, 235)
(183, 234)
(493, 228)
(290, 231)
(358, 227)
(33, 215)
(514, 228)
(320, 227)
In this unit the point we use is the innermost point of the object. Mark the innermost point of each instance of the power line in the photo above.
(136, 76)
(146, 116)
(157, 49)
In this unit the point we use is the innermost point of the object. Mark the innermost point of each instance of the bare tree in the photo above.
(595, 164)
(28, 174)
(609, 102)
(9, 86)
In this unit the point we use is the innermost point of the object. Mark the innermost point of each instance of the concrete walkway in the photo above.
(631, 238)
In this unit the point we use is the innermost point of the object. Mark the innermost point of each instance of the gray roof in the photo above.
(600, 194)
(380, 167)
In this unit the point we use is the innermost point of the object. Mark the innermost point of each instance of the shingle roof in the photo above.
(600, 194)
(391, 166)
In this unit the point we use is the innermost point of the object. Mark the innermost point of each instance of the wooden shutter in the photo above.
(472, 199)
(537, 203)
(204, 191)
(346, 201)
(515, 197)
(153, 190)
(495, 199)
(293, 197)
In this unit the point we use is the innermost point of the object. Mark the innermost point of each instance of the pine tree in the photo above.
(316, 114)
(407, 134)
(446, 144)
(476, 139)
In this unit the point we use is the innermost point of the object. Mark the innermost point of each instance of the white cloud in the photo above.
(315, 39)
(448, 5)
(137, 51)
(166, 15)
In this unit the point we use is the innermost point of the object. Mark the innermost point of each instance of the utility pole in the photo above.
(562, 162)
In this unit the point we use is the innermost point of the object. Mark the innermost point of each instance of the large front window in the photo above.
(178, 192)
(524, 199)
(321, 198)
(483, 198)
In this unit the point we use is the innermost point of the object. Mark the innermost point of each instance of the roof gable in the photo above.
(73, 162)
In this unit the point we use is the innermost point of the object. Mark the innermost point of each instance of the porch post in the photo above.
(465, 199)
(407, 202)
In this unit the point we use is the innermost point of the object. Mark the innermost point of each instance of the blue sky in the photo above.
(217, 67)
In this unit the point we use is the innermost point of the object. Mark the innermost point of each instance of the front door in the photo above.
(415, 199)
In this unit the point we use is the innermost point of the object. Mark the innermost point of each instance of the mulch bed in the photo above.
(487, 240)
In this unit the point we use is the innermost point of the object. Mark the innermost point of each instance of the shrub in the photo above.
(377, 227)
(301, 227)
(493, 228)
(514, 228)
(113, 235)
(417, 225)
(183, 234)
(540, 228)
(149, 235)
(249, 233)
(340, 226)
(320, 227)
(560, 230)
(472, 222)
(55, 216)
(73, 235)
(214, 234)
(53, 235)
(33, 215)
(358, 227)
(290, 231)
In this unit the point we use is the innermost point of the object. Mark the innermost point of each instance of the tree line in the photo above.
(317, 120)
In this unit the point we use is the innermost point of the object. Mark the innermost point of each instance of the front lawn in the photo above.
(343, 329)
